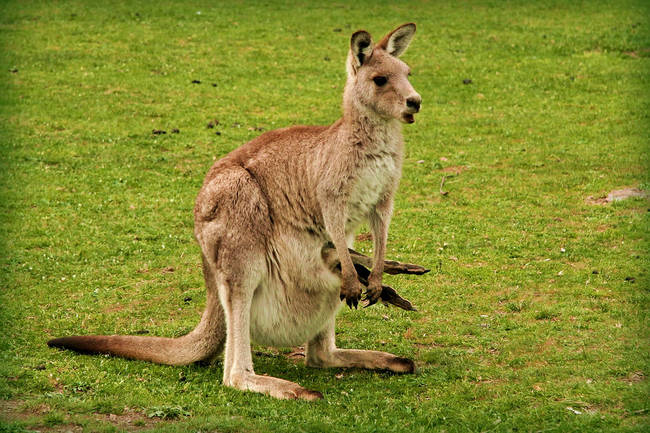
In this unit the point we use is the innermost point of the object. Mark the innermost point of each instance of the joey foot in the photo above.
(351, 291)
(390, 296)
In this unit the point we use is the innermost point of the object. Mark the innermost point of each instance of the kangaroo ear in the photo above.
(397, 41)
(360, 47)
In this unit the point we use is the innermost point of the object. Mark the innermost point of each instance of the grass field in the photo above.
(535, 314)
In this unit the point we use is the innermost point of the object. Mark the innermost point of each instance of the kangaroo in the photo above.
(266, 218)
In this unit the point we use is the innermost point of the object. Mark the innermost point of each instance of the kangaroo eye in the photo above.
(380, 81)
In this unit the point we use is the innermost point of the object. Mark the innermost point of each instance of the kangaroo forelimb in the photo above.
(362, 263)
(388, 294)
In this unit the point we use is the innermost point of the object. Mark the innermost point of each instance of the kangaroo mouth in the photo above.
(408, 118)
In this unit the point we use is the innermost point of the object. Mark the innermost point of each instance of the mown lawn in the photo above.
(535, 314)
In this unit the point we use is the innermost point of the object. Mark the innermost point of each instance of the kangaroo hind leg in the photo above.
(322, 352)
(236, 287)
(233, 227)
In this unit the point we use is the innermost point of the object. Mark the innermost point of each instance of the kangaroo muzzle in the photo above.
(412, 106)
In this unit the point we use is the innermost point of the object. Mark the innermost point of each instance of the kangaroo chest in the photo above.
(376, 177)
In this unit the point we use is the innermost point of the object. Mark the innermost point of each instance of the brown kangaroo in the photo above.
(266, 217)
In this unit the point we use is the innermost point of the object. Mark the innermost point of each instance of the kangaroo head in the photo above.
(377, 79)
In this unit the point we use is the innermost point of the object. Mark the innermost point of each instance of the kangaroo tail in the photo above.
(203, 343)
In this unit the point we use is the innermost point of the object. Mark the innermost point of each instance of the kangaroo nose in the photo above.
(414, 103)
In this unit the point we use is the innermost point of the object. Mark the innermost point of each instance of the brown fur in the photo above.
(263, 216)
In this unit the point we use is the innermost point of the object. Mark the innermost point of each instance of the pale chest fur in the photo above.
(375, 178)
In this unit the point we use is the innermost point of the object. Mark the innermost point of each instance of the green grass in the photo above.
(526, 322)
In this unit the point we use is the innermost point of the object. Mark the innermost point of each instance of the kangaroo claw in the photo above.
(361, 263)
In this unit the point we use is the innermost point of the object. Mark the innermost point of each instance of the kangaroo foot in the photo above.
(278, 388)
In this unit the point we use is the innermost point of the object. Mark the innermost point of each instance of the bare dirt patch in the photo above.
(115, 308)
(298, 354)
(634, 377)
(455, 169)
(618, 195)
(130, 420)
(8, 407)
(61, 428)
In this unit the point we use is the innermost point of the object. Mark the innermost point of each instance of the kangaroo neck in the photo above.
(364, 128)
